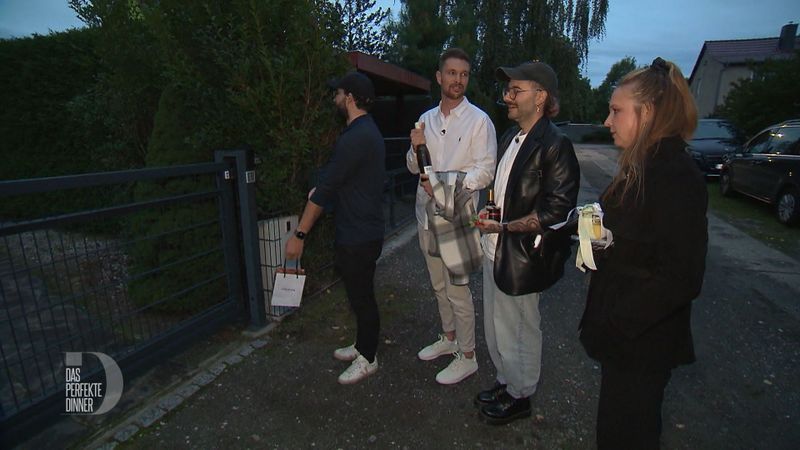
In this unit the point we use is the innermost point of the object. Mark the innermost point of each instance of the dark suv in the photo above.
(713, 139)
(768, 169)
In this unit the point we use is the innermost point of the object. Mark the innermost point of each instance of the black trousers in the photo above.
(356, 265)
(629, 413)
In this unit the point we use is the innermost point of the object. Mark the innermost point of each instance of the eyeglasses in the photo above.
(512, 92)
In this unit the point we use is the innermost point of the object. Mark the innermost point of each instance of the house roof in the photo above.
(740, 51)
(388, 78)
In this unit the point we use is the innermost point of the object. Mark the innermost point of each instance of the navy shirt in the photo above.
(353, 181)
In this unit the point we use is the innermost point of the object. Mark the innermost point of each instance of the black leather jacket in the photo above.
(544, 178)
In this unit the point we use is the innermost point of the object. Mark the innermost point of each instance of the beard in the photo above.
(454, 95)
(341, 112)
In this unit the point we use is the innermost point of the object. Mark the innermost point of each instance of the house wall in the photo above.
(712, 83)
(730, 75)
(705, 85)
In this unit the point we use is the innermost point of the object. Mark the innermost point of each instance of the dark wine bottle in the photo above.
(423, 159)
(492, 210)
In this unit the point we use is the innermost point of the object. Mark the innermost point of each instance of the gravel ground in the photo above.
(286, 395)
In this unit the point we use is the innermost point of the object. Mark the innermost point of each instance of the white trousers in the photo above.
(455, 302)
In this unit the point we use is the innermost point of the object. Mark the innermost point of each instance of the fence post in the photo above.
(244, 175)
(230, 232)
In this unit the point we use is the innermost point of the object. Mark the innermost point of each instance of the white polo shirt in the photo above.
(465, 141)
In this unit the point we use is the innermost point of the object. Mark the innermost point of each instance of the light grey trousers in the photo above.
(513, 335)
(455, 302)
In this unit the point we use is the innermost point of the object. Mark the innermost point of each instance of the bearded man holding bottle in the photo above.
(459, 137)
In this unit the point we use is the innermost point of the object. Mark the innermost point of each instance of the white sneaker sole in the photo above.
(449, 382)
(346, 358)
(356, 380)
(431, 358)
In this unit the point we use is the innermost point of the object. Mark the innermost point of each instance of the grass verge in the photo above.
(756, 219)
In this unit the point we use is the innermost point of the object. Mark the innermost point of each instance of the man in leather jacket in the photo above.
(536, 185)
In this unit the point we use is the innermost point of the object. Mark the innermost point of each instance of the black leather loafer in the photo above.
(490, 395)
(506, 409)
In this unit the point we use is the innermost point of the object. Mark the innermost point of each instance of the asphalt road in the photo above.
(742, 393)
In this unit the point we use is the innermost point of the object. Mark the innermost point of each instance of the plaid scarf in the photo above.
(455, 240)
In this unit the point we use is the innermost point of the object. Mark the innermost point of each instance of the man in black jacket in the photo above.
(536, 186)
(353, 183)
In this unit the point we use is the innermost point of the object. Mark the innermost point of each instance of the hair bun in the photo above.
(659, 65)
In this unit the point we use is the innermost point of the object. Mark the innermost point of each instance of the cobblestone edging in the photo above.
(161, 406)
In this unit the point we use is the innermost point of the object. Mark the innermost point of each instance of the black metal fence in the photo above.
(127, 263)
(122, 264)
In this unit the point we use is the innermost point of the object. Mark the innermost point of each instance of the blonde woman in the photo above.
(638, 310)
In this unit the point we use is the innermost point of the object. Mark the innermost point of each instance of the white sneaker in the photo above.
(459, 368)
(441, 347)
(358, 370)
(348, 353)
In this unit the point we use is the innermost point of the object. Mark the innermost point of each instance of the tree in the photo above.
(771, 96)
(117, 111)
(229, 74)
(363, 25)
(40, 79)
(420, 33)
(501, 32)
(602, 94)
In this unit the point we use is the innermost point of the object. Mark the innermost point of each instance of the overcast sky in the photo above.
(644, 29)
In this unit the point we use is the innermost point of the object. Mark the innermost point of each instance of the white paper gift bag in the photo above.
(288, 287)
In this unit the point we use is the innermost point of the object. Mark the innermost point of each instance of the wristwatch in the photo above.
(299, 235)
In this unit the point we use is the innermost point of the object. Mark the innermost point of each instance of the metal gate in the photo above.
(122, 263)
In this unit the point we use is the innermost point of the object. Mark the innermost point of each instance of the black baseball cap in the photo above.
(357, 84)
(533, 71)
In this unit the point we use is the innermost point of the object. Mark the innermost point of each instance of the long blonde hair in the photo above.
(660, 90)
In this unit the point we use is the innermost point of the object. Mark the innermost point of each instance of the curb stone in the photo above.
(187, 390)
(218, 369)
(170, 402)
(233, 359)
(150, 416)
(258, 343)
(203, 378)
(126, 433)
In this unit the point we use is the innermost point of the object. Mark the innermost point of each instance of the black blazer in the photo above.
(639, 303)
(545, 178)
